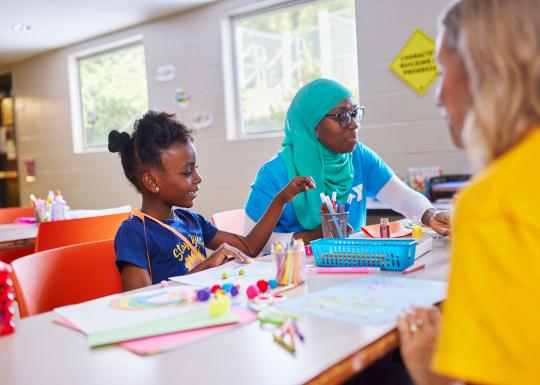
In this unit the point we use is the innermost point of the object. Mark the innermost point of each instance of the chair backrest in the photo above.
(81, 230)
(8, 256)
(64, 276)
(9, 214)
(232, 221)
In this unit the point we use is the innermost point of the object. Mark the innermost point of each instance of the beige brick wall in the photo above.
(404, 128)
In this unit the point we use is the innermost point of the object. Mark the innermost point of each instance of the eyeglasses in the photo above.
(345, 118)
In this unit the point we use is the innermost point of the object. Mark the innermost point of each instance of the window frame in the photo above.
(233, 107)
(76, 104)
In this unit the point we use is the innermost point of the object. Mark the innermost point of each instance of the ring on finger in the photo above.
(416, 325)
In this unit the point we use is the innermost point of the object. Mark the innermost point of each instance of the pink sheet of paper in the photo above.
(158, 344)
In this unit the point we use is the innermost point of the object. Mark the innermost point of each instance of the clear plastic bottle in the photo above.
(385, 228)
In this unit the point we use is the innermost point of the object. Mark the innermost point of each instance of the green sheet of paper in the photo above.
(197, 319)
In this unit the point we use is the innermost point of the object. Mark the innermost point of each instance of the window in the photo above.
(109, 91)
(278, 50)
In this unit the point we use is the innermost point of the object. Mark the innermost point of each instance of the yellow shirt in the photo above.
(491, 320)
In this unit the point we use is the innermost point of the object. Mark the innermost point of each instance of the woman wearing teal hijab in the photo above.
(321, 141)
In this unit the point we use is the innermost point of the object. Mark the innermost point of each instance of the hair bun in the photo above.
(118, 141)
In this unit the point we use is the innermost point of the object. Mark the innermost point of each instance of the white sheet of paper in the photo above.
(98, 316)
(254, 271)
(371, 300)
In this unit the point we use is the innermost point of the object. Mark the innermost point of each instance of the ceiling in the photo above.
(57, 23)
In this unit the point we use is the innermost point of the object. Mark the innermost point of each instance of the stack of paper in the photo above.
(104, 323)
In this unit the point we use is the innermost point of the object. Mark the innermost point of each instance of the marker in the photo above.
(323, 198)
(413, 268)
(345, 270)
(334, 197)
(349, 201)
(334, 219)
(326, 201)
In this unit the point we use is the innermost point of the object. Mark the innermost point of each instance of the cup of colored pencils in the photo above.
(290, 262)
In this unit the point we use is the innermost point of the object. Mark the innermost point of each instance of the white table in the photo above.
(17, 235)
(41, 352)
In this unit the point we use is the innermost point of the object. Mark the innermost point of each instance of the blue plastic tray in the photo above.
(388, 254)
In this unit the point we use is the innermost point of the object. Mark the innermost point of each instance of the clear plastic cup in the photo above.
(334, 225)
(290, 265)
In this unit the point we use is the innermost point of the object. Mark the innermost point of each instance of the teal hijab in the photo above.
(304, 155)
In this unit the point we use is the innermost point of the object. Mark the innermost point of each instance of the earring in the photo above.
(156, 189)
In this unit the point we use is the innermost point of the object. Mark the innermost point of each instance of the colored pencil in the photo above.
(414, 268)
(345, 270)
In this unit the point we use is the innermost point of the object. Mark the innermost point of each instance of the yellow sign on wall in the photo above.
(415, 63)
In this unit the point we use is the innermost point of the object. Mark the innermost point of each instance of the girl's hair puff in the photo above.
(152, 134)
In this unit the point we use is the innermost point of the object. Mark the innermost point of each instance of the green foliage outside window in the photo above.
(113, 92)
(279, 51)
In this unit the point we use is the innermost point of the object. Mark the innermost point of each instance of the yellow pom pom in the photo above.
(220, 305)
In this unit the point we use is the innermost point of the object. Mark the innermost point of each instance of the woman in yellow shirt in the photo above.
(489, 51)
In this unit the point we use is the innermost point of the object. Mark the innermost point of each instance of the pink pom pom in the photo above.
(252, 291)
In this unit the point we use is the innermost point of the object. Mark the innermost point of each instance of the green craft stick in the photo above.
(186, 321)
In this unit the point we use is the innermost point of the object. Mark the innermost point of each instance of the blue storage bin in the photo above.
(388, 254)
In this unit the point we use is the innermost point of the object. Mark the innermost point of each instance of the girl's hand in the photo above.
(418, 330)
(225, 253)
(295, 187)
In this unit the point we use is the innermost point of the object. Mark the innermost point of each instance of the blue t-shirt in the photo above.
(169, 256)
(370, 175)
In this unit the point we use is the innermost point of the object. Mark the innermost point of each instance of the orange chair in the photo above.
(65, 276)
(8, 215)
(73, 231)
(231, 221)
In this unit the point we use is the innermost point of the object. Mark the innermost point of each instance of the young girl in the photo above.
(158, 242)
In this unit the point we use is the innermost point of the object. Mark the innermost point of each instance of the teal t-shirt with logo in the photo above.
(370, 175)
